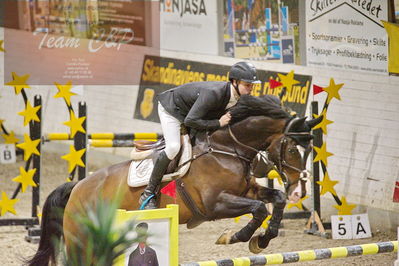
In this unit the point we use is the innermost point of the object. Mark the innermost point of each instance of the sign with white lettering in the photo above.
(347, 35)
(189, 26)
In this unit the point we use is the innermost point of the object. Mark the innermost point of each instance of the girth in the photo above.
(190, 203)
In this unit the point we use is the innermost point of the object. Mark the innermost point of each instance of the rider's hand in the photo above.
(225, 119)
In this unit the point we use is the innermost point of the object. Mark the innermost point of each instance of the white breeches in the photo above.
(171, 132)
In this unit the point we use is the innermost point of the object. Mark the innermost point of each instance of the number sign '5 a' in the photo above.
(350, 226)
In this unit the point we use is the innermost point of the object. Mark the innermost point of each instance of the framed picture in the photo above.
(160, 247)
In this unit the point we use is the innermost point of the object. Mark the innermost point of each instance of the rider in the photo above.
(198, 105)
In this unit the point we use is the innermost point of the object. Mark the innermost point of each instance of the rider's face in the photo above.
(245, 87)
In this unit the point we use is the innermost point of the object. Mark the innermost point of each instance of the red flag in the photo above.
(170, 189)
(317, 89)
(274, 83)
(396, 192)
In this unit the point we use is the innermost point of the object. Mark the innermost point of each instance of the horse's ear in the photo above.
(313, 122)
(296, 125)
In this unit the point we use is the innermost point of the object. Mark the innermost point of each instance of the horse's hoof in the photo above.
(253, 245)
(225, 238)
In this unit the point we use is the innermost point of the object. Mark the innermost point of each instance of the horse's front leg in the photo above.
(278, 199)
(229, 206)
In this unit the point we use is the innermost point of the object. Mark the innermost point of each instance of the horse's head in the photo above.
(289, 152)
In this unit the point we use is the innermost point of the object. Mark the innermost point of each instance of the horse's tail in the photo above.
(51, 224)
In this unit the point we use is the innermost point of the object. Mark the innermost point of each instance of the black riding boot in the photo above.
(160, 166)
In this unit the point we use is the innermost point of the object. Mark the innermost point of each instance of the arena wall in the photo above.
(364, 136)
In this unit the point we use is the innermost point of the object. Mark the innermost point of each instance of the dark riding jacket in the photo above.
(198, 105)
(149, 258)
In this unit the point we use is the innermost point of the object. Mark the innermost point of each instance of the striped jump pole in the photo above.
(108, 143)
(105, 136)
(305, 255)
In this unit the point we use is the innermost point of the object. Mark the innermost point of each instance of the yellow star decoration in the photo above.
(273, 174)
(332, 90)
(74, 158)
(1, 46)
(288, 80)
(298, 204)
(30, 113)
(19, 82)
(345, 208)
(7, 205)
(29, 147)
(322, 154)
(323, 124)
(26, 178)
(75, 124)
(10, 138)
(64, 91)
(327, 185)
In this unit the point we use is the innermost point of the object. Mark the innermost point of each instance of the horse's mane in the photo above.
(266, 105)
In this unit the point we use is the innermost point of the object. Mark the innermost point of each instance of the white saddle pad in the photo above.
(140, 170)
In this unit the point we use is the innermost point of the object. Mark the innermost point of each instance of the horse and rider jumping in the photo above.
(219, 183)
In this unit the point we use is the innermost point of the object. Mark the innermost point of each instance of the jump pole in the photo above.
(105, 136)
(304, 255)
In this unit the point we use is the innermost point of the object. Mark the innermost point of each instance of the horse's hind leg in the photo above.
(229, 205)
(278, 198)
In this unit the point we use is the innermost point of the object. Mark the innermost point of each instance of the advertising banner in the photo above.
(160, 74)
(189, 26)
(347, 35)
(94, 42)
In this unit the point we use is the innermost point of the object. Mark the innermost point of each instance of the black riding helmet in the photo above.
(243, 71)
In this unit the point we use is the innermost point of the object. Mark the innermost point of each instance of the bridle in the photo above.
(304, 175)
(264, 155)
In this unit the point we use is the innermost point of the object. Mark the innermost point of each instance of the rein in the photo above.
(212, 150)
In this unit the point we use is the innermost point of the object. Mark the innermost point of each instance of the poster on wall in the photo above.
(79, 42)
(256, 28)
(125, 19)
(189, 26)
(347, 35)
(160, 74)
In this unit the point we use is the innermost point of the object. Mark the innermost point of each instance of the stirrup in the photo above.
(146, 201)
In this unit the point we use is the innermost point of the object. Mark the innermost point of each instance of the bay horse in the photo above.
(219, 182)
